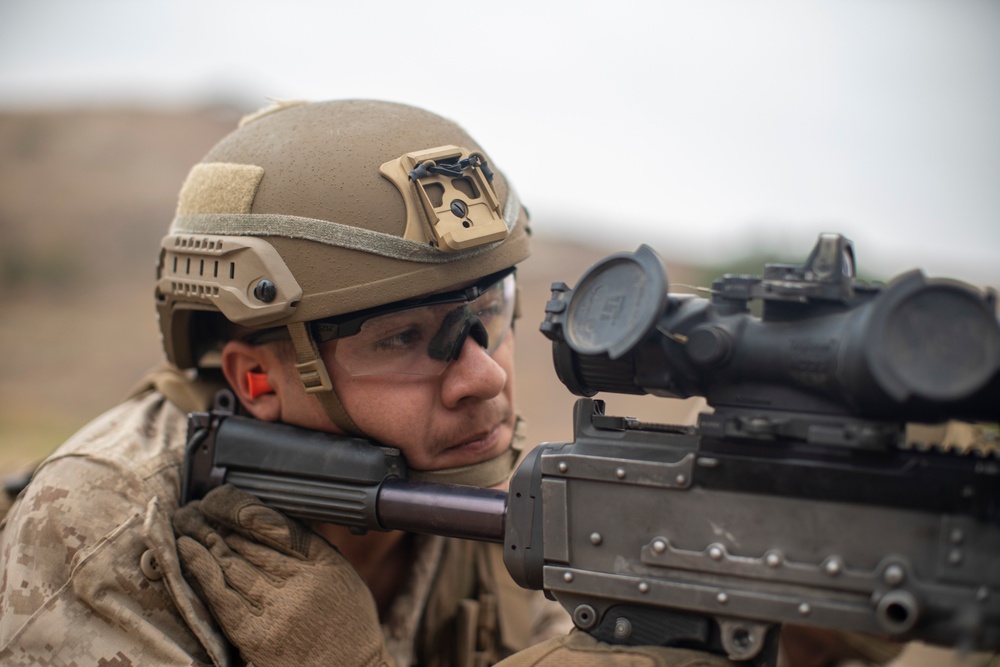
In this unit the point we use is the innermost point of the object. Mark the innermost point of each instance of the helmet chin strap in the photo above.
(316, 380)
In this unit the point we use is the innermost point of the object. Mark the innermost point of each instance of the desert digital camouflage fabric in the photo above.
(90, 571)
(91, 574)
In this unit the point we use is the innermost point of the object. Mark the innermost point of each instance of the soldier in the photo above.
(343, 266)
(346, 267)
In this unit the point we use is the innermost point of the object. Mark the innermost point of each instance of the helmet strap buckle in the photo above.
(316, 379)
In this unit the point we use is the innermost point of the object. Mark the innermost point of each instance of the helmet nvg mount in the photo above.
(309, 210)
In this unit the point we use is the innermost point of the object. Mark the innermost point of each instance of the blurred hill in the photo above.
(85, 198)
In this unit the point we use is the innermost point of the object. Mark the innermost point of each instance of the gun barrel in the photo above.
(466, 512)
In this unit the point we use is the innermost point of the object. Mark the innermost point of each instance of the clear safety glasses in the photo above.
(421, 336)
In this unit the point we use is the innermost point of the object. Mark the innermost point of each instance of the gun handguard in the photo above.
(317, 476)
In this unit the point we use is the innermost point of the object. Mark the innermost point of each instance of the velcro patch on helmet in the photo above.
(219, 187)
(449, 195)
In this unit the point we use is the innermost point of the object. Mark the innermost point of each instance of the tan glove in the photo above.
(282, 594)
(578, 649)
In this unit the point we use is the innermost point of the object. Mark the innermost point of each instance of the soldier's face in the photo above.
(462, 416)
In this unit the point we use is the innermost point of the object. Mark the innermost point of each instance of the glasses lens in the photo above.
(423, 339)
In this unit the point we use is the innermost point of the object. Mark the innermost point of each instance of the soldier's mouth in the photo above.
(485, 441)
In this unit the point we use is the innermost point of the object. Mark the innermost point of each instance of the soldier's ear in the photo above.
(246, 369)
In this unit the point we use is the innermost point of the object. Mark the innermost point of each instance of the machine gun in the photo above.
(795, 500)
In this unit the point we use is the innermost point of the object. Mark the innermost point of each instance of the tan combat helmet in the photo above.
(309, 210)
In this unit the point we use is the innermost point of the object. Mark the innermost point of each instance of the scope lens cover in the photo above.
(616, 303)
(933, 339)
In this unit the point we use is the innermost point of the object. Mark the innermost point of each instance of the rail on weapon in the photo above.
(795, 499)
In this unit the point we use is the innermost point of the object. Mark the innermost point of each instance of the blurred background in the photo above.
(723, 133)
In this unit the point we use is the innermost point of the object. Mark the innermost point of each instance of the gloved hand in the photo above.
(581, 650)
(282, 594)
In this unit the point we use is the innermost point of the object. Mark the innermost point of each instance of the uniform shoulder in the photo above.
(140, 437)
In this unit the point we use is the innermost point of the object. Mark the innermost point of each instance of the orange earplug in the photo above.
(257, 384)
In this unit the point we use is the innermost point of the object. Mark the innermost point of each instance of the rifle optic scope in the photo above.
(915, 350)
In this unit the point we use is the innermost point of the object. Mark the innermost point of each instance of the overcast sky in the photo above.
(694, 125)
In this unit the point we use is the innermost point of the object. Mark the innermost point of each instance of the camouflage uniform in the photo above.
(91, 574)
